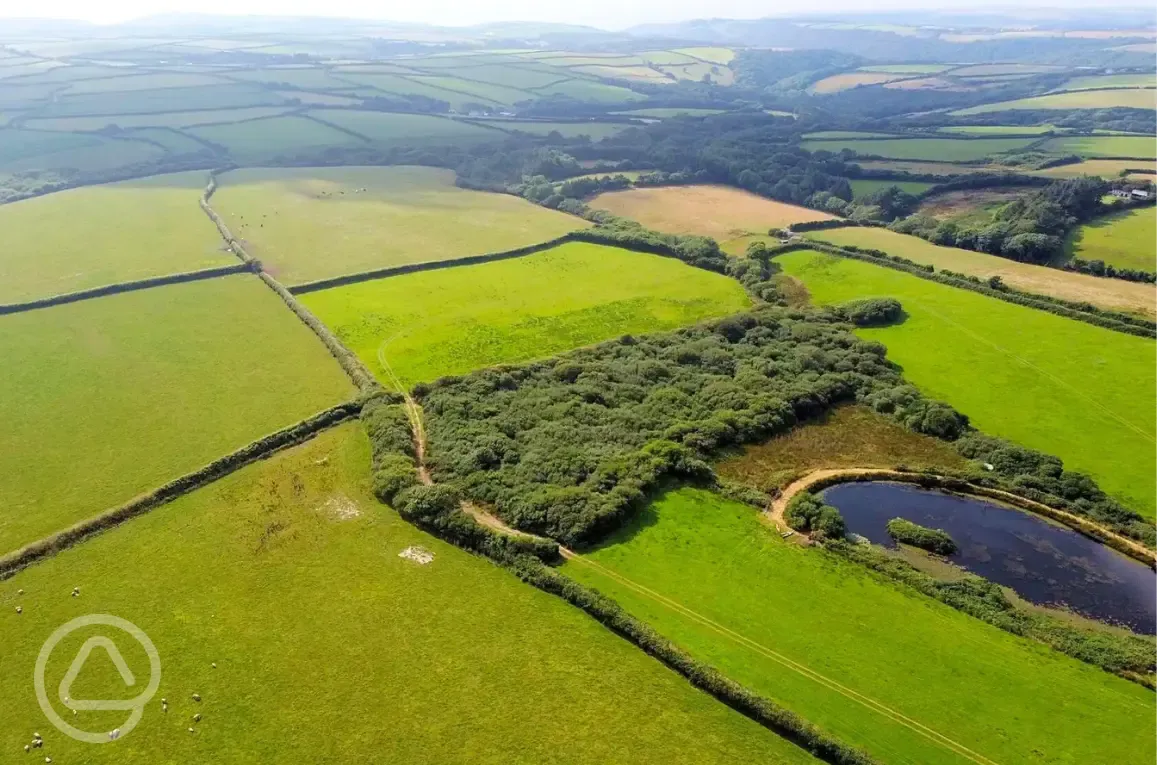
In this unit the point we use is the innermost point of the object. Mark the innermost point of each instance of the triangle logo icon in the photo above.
(77, 665)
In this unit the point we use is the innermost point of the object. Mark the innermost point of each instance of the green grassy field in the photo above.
(114, 233)
(271, 137)
(104, 399)
(220, 96)
(286, 575)
(827, 135)
(999, 129)
(663, 113)
(846, 437)
(455, 320)
(406, 129)
(863, 187)
(28, 150)
(1111, 81)
(907, 68)
(588, 90)
(1082, 393)
(946, 149)
(1107, 293)
(596, 130)
(1079, 99)
(763, 602)
(840, 82)
(313, 223)
(165, 119)
(1103, 146)
(1126, 239)
(1106, 168)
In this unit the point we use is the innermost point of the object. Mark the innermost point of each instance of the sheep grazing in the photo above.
(197, 717)
(19, 609)
(20, 592)
(75, 592)
(196, 697)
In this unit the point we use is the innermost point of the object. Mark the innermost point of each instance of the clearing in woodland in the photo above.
(1077, 391)
(99, 235)
(278, 596)
(905, 677)
(721, 212)
(314, 223)
(105, 399)
(451, 321)
(1115, 294)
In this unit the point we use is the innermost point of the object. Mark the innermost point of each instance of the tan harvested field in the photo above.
(1115, 294)
(838, 82)
(721, 212)
(1106, 168)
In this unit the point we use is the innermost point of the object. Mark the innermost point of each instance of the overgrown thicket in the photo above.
(985, 600)
(933, 540)
(568, 447)
(808, 513)
(1028, 229)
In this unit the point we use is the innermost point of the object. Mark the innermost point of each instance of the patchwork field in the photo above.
(596, 130)
(1125, 239)
(1111, 81)
(26, 150)
(863, 187)
(264, 139)
(406, 129)
(449, 322)
(306, 224)
(839, 82)
(1103, 146)
(721, 212)
(1067, 388)
(1107, 293)
(663, 113)
(166, 119)
(907, 68)
(708, 574)
(1080, 99)
(1106, 168)
(943, 149)
(846, 437)
(115, 233)
(983, 130)
(931, 168)
(261, 613)
(104, 399)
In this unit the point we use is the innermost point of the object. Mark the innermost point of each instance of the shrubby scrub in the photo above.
(932, 540)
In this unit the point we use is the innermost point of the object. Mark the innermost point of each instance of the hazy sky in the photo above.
(609, 14)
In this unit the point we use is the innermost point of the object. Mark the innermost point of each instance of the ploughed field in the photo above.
(907, 678)
(105, 399)
(424, 325)
(1080, 392)
(306, 224)
(286, 575)
(721, 212)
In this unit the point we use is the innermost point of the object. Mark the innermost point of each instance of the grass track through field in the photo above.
(784, 661)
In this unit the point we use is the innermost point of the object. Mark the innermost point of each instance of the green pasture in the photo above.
(1125, 239)
(271, 137)
(945, 149)
(520, 77)
(452, 321)
(28, 150)
(105, 399)
(174, 141)
(131, 82)
(588, 90)
(664, 113)
(766, 611)
(306, 224)
(1106, 168)
(1080, 392)
(983, 130)
(1111, 81)
(1103, 146)
(278, 596)
(827, 135)
(710, 54)
(96, 235)
(596, 130)
(392, 84)
(220, 96)
(906, 68)
(314, 78)
(487, 92)
(1078, 99)
(864, 186)
(166, 119)
(406, 129)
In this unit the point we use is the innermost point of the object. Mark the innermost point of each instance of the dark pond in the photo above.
(1041, 561)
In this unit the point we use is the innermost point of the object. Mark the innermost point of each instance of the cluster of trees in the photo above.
(1028, 229)
(871, 312)
(569, 446)
(933, 540)
(1101, 268)
(809, 514)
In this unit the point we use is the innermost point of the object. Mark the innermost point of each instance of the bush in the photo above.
(932, 540)
(393, 473)
(871, 312)
(807, 513)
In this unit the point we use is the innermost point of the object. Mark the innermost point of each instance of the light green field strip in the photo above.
(89, 237)
(166, 119)
(1082, 393)
(999, 129)
(1111, 81)
(286, 576)
(861, 188)
(943, 149)
(909, 679)
(1081, 99)
(1114, 294)
(1126, 239)
(314, 223)
(596, 130)
(264, 139)
(406, 129)
(1103, 146)
(456, 320)
(105, 399)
